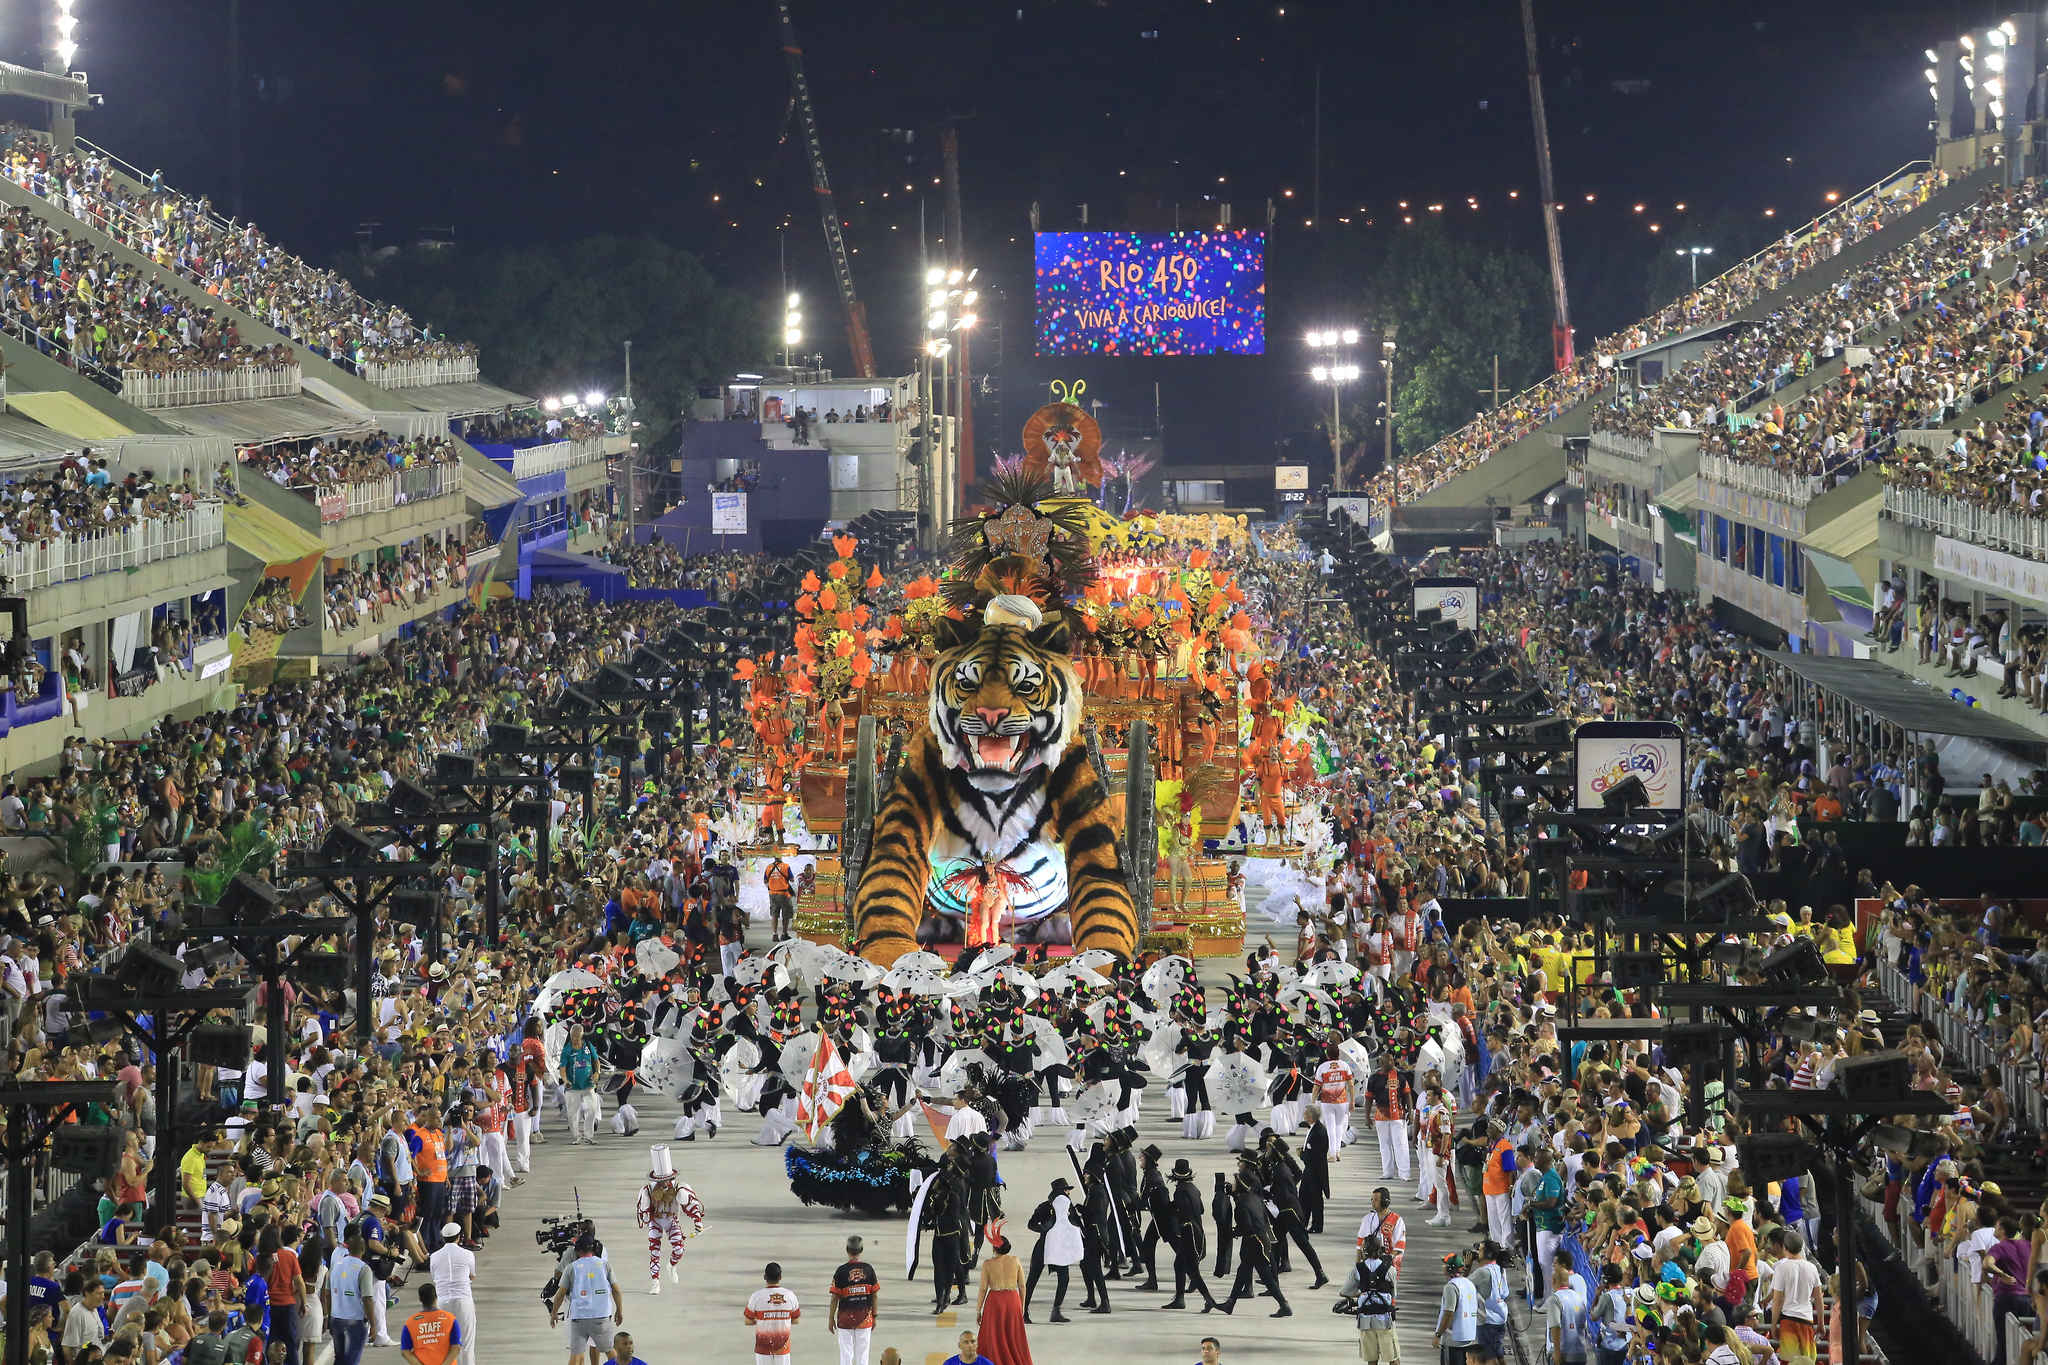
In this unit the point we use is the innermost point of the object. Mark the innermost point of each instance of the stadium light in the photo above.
(551, 404)
(1695, 252)
(1931, 57)
(1997, 108)
(1350, 336)
(1994, 61)
(793, 301)
(1969, 43)
(1995, 89)
(969, 319)
(936, 322)
(936, 347)
(935, 276)
(1321, 373)
(956, 277)
(593, 399)
(2009, 29)
(1996, 37)
(67, 24)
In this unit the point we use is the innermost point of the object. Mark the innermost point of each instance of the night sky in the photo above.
(511, 123)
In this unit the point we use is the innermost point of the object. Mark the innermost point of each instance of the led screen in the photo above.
(1151, 293)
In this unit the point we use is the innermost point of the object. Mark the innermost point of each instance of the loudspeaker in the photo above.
(1874, 1076)
(659, 718)
(247, 900)
(413, 906)
(1634, 970)
(1771, 1156)
(1686, 1044)
(575, 777)
(92, 1150)
(474, 854)
(410, 798)
(623, 747)
(324, 971)
(220, 1045)
(348, 846)
(1796, 964)
(501, 738)
(531, 814)
(455, 767)
(148, 970)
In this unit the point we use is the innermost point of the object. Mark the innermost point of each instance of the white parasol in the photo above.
(910, 966)
(655, 958)
(1333, 974)
(1238, 1083)
(666, 1066)
(796, 1057)
(1163, 977)
(1052, 1048)
(1094, 1104)
(952, 1076)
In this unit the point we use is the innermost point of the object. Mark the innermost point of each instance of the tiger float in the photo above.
(999, 776)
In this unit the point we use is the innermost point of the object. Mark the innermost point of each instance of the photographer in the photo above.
(1370, 1287)
(589, 1289)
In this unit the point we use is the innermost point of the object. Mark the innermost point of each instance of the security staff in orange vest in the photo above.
(430, 1165)
(1498, 1183)
(429, 1336)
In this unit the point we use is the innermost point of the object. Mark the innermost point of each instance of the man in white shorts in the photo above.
(773, 1311)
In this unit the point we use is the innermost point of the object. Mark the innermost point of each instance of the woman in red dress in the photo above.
(1001, 1303)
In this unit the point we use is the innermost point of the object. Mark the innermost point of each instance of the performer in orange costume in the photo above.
(985, 889)
(1272, 769)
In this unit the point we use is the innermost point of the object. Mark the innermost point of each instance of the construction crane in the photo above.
(800, 92)
(1561, 326)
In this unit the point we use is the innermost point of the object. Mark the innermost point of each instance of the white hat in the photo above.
(451, 1229)
(662, 1167)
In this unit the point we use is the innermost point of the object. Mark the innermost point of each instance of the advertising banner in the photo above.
(1290, 476)
(728, 514)
(1609, 752)
(1456, 598)
(333, 506)
(1151, 293)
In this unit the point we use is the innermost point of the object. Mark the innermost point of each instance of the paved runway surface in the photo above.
(753, 1218)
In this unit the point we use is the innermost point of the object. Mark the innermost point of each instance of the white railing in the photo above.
(410, 374)
(1998, 528)
(180, 388)
(1793, 490)
(64, 559)
(1624, 447)
(556, 456)
(339, 501)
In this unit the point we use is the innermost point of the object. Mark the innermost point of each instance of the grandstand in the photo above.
(220, 463)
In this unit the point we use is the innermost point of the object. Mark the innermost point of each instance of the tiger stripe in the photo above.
(1051, 790)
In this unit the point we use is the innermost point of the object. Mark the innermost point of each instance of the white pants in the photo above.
(853, 1345)
(1500, 1220)
(464, 1310)
(522, 1134)
(1393, 1136)
(1436, 1182)
(1336, 1118)
(584, 1112)
(729, 956)
(380, 1321)
(496, 1158)
(1546, 1245)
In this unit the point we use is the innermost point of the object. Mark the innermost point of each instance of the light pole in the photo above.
(1335, 373)
(1393, 470)
(1695, 252)
(792, 328)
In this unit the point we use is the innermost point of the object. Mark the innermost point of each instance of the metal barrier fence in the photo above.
(408, 374)
(180, 388)
(64, 559)
(2011, 529)
(556, 456)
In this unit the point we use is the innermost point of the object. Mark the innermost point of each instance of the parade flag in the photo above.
(827, 1085)
(937, 1122)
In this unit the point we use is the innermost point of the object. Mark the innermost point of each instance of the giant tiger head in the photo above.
(1005, 700)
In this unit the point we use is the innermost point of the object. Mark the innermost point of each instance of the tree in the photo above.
(556, 319)
(1458, 306)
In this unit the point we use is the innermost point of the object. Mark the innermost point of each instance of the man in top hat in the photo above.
(1183, 1231)
(1158, 1202)
(664, 1203)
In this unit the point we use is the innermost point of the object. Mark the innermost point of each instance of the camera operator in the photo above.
(589, 1289)
(565, 1239)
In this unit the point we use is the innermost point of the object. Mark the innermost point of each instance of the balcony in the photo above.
(66, 559)
(2010, 529)
(557, 456)
(338, 502)
(182, 388)
(1634, 448)
(412, 374)
(1793, 490)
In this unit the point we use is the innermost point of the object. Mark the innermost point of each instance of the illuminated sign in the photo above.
(1290, 476)
(1456, 598)
(1145, 293)
(729, 514)
(1609, 752)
